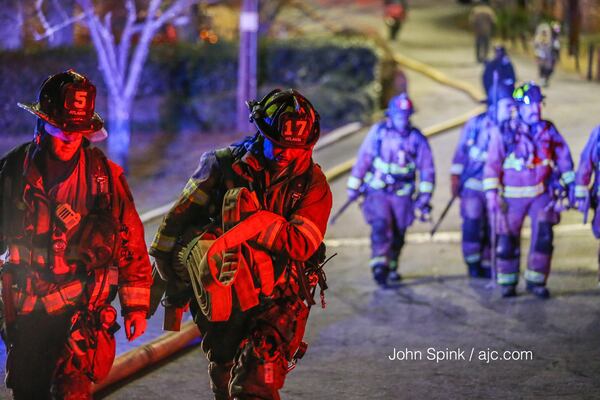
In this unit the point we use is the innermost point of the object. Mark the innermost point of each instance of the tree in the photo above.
(122, 61)
(56, 13)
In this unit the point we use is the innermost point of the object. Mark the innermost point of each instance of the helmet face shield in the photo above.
(60, 134)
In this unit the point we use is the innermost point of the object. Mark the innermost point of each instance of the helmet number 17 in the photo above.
(295, 127)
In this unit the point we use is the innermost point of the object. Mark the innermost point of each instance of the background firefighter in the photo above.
(528, 172)
(467, 179)
(394, 15)
(249, 353)
(547, 49)
(482, 19)
(587, 196)
(393, 154)
(74, 239)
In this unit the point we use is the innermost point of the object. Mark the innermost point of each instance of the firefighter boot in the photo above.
(394, 276)
(485, 271)
(473, 269)
(508, 291)
(380, 274)
(538, 290)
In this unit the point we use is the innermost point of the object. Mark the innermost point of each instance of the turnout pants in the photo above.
(36, 344)
(509, 237)
(389, 215)
(249, 355)
(475, 229)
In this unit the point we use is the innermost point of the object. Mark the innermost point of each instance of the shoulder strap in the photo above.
(100, 180)
(299, 186)
(225, 160)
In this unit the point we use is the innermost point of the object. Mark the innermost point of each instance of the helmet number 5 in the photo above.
(80, 99)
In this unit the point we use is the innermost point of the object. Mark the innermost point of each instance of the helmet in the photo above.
(400, 103)
(528, 93)
(66, 101)
(286, 118)
(499, 51)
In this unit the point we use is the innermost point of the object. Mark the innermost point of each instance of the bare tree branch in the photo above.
(141, 51)
(51, 30)
(59, 9)
(93, 24)
(126, 36)
(39, 4)
(110, 46)
(172, 12)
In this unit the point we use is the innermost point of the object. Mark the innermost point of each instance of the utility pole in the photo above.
(247, 61)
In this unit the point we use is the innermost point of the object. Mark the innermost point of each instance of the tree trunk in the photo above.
(11, 25)
(574, 27)
(119, 130)
(246, 87)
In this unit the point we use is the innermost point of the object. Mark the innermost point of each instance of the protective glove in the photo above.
(135, 324)
(572, 196)
(422, 207)
(454, 184)
(494, 204)
(582, 202)
(353, 194)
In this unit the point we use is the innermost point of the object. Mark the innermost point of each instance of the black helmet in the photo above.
(66, 101)
(287, 118)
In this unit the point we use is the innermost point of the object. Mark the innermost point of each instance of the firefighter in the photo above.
(547, 49)
(272, 180)
(501, 64)
(587, 196)
(389, 161)
(394, 15)
(482, 19)
(467, 175)
(529, 172)
(73, 240)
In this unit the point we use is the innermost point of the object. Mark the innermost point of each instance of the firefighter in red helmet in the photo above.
(262, 205)
(73, 240)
